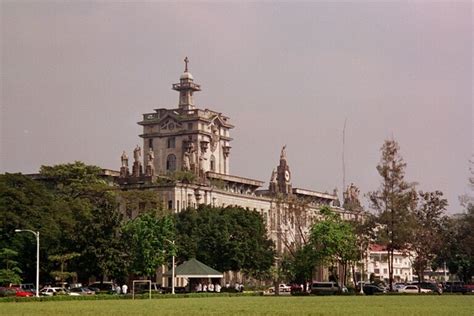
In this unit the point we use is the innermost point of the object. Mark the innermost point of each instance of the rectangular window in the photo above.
(376, 271)
(171, 142)
(170, 204)
(150, 143)
(190, 126)
(384, 271)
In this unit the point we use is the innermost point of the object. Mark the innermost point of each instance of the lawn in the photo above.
(256, 305)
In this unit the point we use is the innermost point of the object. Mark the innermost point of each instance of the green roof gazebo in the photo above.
(196, 273)
(195, 269)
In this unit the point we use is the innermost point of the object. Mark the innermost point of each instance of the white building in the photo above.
(377, 263)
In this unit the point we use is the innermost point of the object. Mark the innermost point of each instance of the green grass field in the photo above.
(257, 305)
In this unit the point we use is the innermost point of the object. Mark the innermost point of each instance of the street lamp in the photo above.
(37, 235)
(172, 267)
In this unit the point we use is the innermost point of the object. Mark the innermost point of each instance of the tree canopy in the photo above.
(334, 240)
(393, 202)
(230, 238)
(147, 238)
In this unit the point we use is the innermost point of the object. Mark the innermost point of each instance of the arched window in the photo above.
(171, 163)
(213, 163)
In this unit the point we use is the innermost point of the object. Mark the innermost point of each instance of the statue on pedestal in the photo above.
(186, 161)
(137, 170)
(124, 168)
(273, 182)
(351, 198)
(201, 165)
(283, 153)
(150, 167)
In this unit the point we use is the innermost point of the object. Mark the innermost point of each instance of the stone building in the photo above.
(187, 162)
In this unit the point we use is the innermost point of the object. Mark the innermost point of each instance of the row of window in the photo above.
(385, 271)
(171, 163)
(171, 142)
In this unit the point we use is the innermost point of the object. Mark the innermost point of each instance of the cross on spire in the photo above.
(186, 61)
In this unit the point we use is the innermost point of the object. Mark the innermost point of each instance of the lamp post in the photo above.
(172, 267)
(37, 235)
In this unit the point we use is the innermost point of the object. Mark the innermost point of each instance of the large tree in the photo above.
(298, 266)
(458, 252)
(149, 242)
(94, 231)
(426, 237)
(230, 238)
(392, 202)
(334, 240)
(27, 204)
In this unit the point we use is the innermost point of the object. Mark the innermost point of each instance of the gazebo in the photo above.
(196, 272)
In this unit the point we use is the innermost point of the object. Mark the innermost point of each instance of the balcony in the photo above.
(186, 86)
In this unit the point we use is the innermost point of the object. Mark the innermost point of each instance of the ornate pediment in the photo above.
(220, 120)
(169, 122)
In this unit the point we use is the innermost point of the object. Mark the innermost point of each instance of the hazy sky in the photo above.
(77, 76)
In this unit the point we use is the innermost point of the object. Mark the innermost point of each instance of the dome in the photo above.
(186, 75)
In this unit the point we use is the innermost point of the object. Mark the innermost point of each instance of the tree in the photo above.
(334, 240)
(148, 242)
(468, 199)
(392, 202)
(9, 270)
(61, 274)
(363, 227)
(426, 239)
(27, 204)
(93, 230)
(299, 265)
(458, 239)
(230, 238)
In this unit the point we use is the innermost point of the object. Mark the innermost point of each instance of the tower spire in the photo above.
(186, 87)
(186, 61)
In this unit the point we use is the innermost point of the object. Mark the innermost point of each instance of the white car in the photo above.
(413, 289)
(282, 287)
(50, 291)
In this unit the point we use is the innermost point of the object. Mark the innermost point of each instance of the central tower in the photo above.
(187, 138)
(186, 87)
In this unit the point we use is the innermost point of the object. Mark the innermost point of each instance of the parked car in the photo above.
(81, 291)
(361, 283)
(50, 291)
(7, 291)
(398, 286)
(371, 289)
(104, 287)
(297, 289)
(283, 288)
(455, 287)
(15, 291)
(325, 288)
(141, 288)
(430, 286)
(29, 287)
(469, 287)
(19, 292)
(413, 289)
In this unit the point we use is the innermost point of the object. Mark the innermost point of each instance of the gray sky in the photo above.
(76, 77)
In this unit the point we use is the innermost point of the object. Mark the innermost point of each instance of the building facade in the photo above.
(187, 162)
(377, 264)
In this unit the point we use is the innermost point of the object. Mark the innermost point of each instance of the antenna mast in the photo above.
(343, 160)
